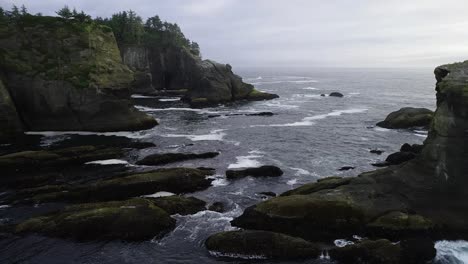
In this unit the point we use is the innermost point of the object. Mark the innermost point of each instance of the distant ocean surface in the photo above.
(309, 137)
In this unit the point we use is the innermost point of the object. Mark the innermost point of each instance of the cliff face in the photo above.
(9, 119)
(176, 68)
(64, 75)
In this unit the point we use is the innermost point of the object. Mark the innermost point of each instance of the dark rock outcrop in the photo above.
(177, 204)
(162, 159)
(336, 94)
(260, 244)
(217, 207)
(10, 122)
(263, 171)
(175, 68)
(131, 220)
(408, 117)
(66, 75)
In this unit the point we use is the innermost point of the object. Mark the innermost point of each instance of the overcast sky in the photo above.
(286, 33)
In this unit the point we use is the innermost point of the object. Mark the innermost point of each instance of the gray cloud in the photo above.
(334, 33)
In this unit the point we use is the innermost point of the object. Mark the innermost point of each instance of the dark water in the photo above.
(309, 137)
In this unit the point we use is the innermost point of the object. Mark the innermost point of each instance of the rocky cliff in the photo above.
(66, 75)
(175, 68)
(9, 119)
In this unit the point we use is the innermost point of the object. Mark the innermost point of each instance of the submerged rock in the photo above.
(131, 220)
(263, 171)
(347, 168)
(408, 117)
(260, 244)
(377, 151)
(162, 159)
(217, 207)
(177, 204)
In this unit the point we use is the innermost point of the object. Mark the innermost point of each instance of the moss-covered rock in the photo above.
(177, 204)
(175, 180)
(256, 95)
(132, 220)
(399, 224)
(408, 117)
(67, 75)
(260, 244)
(31, 160)
(321, 184)
(166, 158)
(371, 252)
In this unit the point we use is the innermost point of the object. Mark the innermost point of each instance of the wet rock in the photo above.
(336, 94)
(373, 252)
(175, 180)
(131, 220)
(398, 224)
(271, 194)
(417, 250)
(381, 164)
(323, 95)
(408, 117)
(400, 157)
(321, 184)
(261, 114)
(217, 207)
(415, 148)
(177, 204)
(346, 168)
(260, 244)
(30, 160)
(377, 151)
(163, 159)
(263, 171)
(256, 95)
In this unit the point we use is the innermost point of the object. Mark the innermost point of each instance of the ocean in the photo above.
(309, 137)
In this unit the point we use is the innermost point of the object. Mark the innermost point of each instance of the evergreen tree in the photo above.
(65, 12)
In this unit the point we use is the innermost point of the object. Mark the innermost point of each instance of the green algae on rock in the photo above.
(177, 204)
(260, 244)
(131, 220)
(408, 117)
(67, 75)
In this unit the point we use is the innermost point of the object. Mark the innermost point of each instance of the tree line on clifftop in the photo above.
(129, 28)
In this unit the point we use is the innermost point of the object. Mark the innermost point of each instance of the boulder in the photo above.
(400, 157)
(66, 75)
(217, 207)
(163, 159)
(336, 94)
(177, 204)
(131, 220)
(175, 180)
(260, 244)
(408, 117)
(347, 168)
(373, 252)
(376, 151)
(263, 171)
(415, 148)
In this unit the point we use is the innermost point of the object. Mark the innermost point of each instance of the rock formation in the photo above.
(65, 75)
(407, 117)
(425, 197)
(175, 68)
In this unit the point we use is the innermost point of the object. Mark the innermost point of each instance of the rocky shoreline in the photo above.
(391, 215)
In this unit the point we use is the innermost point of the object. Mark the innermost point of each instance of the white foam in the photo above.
(343, 243)
(109, 162)
(214, 135)
(300, 171)
(133, 135)
(169, 99)
(309, 121)
(354, 93)
(201, 111)
(140, 96)
(291, 182)
(246, 161)
(218, 180)
(381, 129)
(236, 256)
(452, 251)
(5, 206)
(159, 194)
(309, 88)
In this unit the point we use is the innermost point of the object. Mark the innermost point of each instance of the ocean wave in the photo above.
(309, 88)
(158, 195)
(109, 162)
(291, 182)
(169, 99)
(309, 121)
(453, 252)
(247, 161)
(283, 81)
(214, 135)
(201, 111)
(300, 171)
